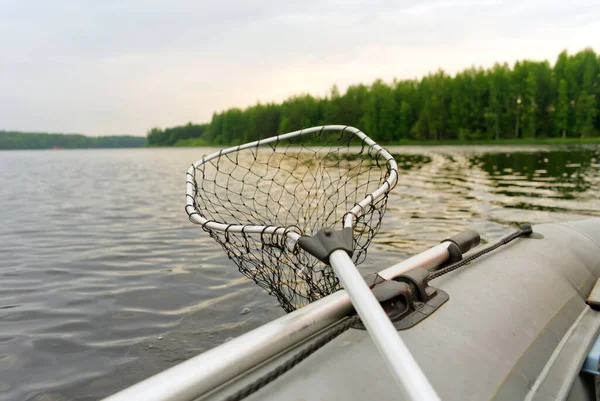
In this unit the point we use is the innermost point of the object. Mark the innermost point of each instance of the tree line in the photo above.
(530, 100)
(24, 140)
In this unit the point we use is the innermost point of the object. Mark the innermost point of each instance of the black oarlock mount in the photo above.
(408, 299)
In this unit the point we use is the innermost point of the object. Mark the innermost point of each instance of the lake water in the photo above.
(104, 281)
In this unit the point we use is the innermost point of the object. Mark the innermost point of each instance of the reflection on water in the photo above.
(103, 280)
(557, 175)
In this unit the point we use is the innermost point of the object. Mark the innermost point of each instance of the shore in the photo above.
(411, 142)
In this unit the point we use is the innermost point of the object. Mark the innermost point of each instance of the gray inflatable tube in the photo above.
(517, 326)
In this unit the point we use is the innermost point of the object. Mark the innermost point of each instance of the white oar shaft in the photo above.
(405, 369)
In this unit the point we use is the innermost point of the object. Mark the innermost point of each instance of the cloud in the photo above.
(115, 67)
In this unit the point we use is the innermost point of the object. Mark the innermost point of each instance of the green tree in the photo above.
(493, 113)
(381, 112)
(404, 120)
(562, 112)
(586, 111)
(528, 115)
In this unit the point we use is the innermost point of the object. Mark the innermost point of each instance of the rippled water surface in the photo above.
(104, 281)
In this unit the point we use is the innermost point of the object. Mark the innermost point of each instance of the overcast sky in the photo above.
(111, 67)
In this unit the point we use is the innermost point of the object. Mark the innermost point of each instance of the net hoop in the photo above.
(196, 217)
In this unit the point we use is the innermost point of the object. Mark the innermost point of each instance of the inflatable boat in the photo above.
(515, 321)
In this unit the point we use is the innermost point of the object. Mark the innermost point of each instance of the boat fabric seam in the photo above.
(579, 232)
(543, 329)
(542, 376)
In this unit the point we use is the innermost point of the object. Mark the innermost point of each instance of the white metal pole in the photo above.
(405, 369)
(426, 260)
(200, 375)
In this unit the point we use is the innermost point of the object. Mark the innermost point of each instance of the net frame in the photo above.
(291, 232)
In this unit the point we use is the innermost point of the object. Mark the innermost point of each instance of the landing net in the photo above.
(257, 199)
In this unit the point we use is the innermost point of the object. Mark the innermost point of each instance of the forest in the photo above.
(531, 100)
(26, 140)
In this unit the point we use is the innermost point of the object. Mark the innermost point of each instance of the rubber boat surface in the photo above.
(519, 324)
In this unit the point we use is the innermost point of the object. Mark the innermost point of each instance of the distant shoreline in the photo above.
(140, 143)
(16, 140)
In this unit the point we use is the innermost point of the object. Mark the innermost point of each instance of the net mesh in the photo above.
(306, 183)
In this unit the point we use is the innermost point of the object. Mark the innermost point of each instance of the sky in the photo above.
(112, 67)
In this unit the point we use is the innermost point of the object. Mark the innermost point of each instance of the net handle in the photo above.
(349, 217)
